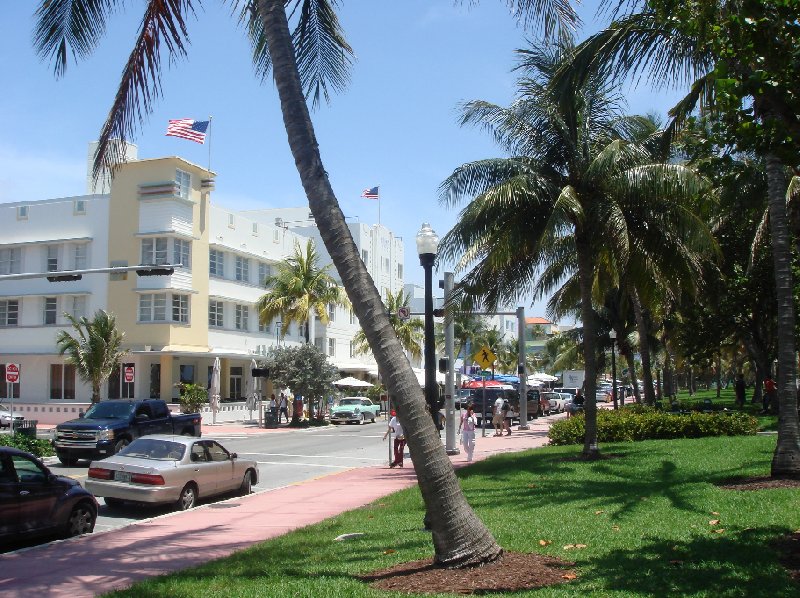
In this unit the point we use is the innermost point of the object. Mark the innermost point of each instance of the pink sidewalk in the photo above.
(97, 563)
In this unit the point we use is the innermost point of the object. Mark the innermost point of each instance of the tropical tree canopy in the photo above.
(409, 332)
(94, 348)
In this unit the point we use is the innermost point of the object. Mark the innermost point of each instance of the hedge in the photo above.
(38, 447)
(638, 422)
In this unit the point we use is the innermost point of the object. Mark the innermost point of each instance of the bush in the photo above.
(193, 397)
(38, 447)
(639, 422)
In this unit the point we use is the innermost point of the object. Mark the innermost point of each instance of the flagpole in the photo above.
(208, 138)
(379, 206)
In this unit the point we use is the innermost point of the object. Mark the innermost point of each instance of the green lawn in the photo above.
(644, 518)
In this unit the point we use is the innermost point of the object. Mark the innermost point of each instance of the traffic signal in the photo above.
(260, 372)
(156, 271)
(438, 313)
(444, 364)
(64, 277)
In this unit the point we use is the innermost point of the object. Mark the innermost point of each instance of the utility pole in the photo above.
(450, 404)
(523, 377)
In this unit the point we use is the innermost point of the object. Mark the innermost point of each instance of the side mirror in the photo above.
(80, 415)
(142, 417)
(234, 456)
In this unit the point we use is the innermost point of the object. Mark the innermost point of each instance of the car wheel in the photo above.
(247, 484)
(361, 420)
(188, 497)
(66, 459)
(113, 503)
(373, 418)
(81, 520)
(121, 444)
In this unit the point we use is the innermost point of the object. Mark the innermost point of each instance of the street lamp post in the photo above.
(278, 325)
(613, 335)
(427, 246)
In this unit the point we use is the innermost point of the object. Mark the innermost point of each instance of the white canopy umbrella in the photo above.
(542, 377)
(213, 390)
(352, 383)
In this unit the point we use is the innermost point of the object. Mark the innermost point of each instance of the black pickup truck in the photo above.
(109, 426)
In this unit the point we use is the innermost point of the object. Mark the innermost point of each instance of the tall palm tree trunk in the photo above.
(585, 278)
(460, 538)
(786, 460)
(644, 350)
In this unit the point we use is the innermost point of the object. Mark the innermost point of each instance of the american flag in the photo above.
(371, 193)
(186, 128)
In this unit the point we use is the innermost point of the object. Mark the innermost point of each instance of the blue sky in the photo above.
(395, 126)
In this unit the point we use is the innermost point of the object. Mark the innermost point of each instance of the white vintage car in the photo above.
(163, 468)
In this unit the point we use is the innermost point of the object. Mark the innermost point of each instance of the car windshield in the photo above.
(109, 410)
(350, 402)
(153, 448)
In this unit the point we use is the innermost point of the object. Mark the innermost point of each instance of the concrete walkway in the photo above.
(97, 563)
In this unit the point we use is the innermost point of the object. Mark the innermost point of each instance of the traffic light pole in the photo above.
(451, 446)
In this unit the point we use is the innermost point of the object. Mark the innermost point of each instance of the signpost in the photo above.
(12, 378)
(129, 374)
(404, 313)
(486, 359)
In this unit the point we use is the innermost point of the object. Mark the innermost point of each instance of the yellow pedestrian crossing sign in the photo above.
(484, 357)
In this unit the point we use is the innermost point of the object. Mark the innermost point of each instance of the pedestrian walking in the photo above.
(506, 407)
(399, 440)
(497, 416)
(467, 430)
(738, 388)
(770, 390)
(283, 406)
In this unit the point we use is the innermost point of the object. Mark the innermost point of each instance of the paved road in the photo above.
(284, 458)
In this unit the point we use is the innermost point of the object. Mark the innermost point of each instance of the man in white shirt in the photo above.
(497, 416)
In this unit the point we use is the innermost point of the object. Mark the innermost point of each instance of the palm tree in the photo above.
(316, 55)
(681, 50)
(577, 183)
(409, 332)
(300, 291)
(95, 349)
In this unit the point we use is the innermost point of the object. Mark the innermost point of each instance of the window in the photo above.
(52, 258)
(78, 306)
(399, 270)
(180, 308)
(242, 316)
(332, 347)
(155, 380)
(365, 255)
(154, 251)
(216, 263)
(50, 310)
(10, 260)
(4, 387)
(352, 350)
(182, 252)
(117, 387)
(79, 207)
(255, 229)
(276, 236)
(153, 307)
(331, 312)
(231, 221)
(9, 313)
(62, 382)
(263, 327)
(22, 213)
(79, 256)
(386, 265)
(183, 181)
(353, 318)
(242, 269)
(264, 271)
(236, 382)
(216, 311)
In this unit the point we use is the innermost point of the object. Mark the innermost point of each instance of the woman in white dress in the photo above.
(467, 430)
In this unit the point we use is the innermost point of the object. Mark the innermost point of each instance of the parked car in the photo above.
(36, 502)
(558, 401)
(569, 390)
(109, 426)
(355, 410)
(164, 468)
(506, 392)
(6, 415)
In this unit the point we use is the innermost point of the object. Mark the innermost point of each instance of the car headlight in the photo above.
(105, 435)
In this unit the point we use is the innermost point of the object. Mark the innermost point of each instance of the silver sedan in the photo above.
(170, 469)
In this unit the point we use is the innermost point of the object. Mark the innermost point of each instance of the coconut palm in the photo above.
(301, 291)
(578, 183)
(309, 59)
(94, 348)
(409, 332)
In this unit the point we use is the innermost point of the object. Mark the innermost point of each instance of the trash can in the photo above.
(26, 427)
(271, 418)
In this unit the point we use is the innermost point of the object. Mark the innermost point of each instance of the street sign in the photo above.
(12, 373)
(485, 357)
(404, 313)
(130, 374)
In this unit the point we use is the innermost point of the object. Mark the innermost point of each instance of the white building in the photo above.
(158, 211)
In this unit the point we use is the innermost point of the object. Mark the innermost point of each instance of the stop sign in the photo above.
(129, 374)
(12, 373)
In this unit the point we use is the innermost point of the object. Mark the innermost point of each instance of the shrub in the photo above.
(193, 397)
(36, 446)
(639, 422)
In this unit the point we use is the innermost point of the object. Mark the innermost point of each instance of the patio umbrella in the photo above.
(482, 384)
(251, 388)
(542, 377)
(351, 382)
(213, 390)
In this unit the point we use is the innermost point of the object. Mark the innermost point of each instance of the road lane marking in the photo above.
(295, 464)
(310, 456)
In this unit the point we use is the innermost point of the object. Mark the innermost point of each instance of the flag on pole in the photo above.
(371, 193)
(186, 128)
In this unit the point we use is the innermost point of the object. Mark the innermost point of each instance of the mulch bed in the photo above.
(513, 572)
(585, 459)
(789, 549)
(759, 483)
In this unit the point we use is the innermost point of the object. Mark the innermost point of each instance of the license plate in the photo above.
(122, 476)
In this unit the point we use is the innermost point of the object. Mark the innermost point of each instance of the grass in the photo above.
(645, 518)
(727, 400)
